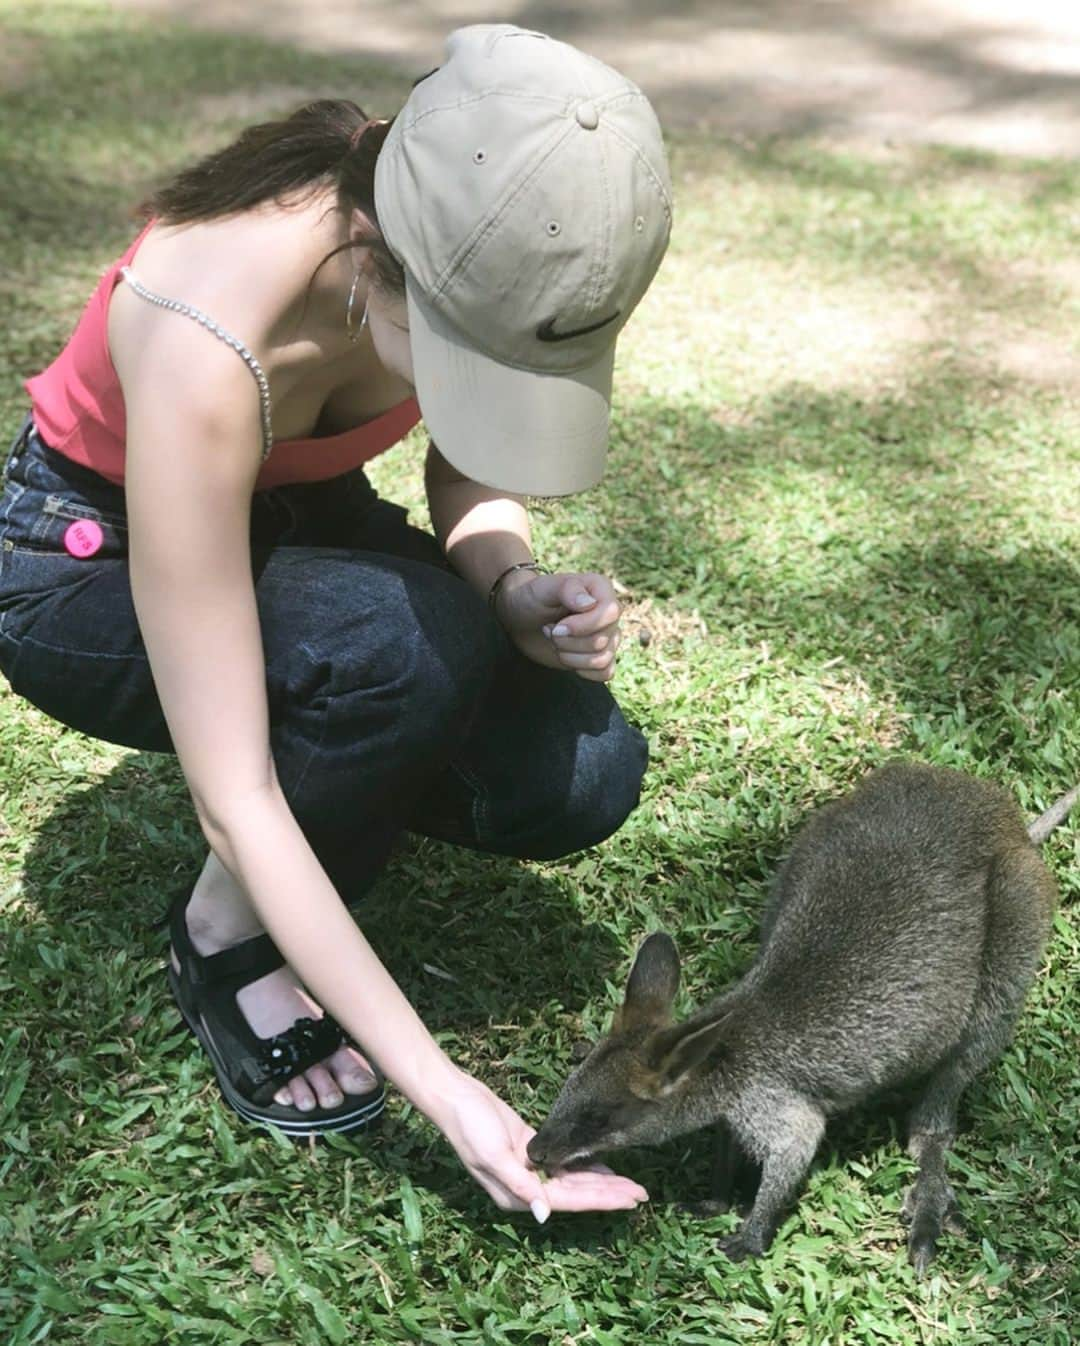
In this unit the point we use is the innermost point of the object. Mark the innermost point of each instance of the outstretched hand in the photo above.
(566, 621)
(490, 1139)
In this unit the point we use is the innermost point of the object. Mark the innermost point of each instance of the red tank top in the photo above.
(78, 409)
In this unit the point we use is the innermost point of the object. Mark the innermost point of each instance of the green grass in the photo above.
(843, 503)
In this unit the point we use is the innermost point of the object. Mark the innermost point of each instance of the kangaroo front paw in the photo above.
(739, 1246)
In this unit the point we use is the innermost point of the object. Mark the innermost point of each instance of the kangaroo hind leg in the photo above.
(1019, 902)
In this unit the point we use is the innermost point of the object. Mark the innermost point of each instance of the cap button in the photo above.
(587, 116)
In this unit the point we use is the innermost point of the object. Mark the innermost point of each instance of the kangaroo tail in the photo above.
(1041, 828)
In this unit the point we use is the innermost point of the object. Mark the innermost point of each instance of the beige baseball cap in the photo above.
(524, 188)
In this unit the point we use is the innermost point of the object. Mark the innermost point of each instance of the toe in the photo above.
(284, 1097)
(324, 1087)
(303, 1095)
(351, 1071)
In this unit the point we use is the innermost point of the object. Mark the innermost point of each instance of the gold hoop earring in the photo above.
(355, 332)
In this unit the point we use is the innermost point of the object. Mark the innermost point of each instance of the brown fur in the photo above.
(898, 944)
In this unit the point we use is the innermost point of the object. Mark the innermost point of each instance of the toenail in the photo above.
(305, 1104)
(334, 1100)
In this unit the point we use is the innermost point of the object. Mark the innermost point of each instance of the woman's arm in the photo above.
(482, 531)
(193, 452)
(568, 621)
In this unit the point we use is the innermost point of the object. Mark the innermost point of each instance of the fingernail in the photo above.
(547, 631)
(540, 1209)
(583, 600)
(560, 630)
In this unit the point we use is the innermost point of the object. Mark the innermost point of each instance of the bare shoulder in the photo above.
(247, 271)
(189, 399)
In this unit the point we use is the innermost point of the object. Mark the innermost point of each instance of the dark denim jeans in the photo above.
(396, 701)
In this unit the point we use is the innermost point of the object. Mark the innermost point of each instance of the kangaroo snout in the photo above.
(537, 1150)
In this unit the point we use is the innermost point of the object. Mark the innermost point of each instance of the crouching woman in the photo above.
(193, 561)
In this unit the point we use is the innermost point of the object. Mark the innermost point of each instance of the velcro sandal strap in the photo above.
(250, 961)
(243, 963)
(288, 1054)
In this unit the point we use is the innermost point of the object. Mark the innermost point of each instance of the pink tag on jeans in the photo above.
(83, 538)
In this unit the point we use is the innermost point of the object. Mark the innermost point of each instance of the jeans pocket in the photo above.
(54, 528)
(46, 498)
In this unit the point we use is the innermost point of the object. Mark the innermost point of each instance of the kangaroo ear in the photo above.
(650, 991)
(674, 1054)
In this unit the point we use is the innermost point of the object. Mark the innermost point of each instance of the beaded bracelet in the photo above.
(493, 592)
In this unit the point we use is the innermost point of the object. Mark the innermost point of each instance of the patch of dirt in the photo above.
(1000, 75)
(653, 625)
(16, 60)
(1034, 359)
(1029, 334)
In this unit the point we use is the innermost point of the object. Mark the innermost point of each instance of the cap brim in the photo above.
(512, 429)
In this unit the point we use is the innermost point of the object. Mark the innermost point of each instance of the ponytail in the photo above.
(327, 142)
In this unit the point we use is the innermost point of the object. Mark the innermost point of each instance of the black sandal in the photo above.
(249, 1069)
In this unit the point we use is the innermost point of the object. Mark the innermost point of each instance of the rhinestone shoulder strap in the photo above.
(204, 320)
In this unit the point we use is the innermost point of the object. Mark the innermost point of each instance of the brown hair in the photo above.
(327, 142)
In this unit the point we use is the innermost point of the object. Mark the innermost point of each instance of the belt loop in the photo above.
(18, 444)
(22, 439)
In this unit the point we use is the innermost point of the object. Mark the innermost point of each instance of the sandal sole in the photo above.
(301, 1125)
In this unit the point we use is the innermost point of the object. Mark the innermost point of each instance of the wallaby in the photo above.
(897, 945)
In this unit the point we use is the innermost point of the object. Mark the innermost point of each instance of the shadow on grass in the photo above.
(503, 935)
(99, 1024)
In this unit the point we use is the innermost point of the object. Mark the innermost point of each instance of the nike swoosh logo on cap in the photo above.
(546, 330)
